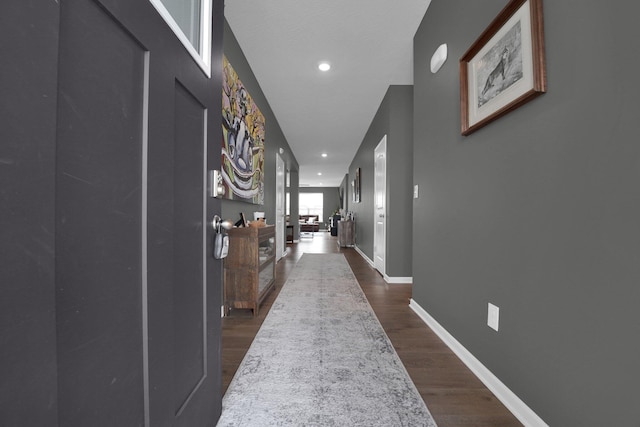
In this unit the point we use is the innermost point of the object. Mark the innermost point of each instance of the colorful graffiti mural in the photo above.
(242, 141)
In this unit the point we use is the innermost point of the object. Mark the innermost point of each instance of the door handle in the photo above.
(218, 224)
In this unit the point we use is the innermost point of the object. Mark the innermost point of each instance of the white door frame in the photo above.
(281, 247)
(380, 206)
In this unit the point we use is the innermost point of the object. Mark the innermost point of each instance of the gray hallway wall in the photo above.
(274, 140)
(394, 118)
(538, 212)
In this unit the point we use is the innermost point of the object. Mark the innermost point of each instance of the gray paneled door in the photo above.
(114, 297)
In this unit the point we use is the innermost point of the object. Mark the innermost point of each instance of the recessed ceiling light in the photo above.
(319, 173)
(324, 66)
(324, 154)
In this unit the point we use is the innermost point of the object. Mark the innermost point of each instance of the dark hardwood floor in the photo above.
(452, 393)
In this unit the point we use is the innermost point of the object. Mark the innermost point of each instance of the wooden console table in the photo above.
(346, 233)
(249, 269)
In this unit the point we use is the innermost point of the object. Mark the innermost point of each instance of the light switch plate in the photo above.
(415, 191)
(493, 317)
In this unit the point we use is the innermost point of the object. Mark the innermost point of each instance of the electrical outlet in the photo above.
(415, 191)
(493, 317)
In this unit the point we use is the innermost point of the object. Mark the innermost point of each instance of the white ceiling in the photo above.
(369, 44)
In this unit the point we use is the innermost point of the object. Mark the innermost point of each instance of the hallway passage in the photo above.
(454, 395)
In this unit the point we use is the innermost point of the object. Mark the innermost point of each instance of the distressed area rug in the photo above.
(321, 358)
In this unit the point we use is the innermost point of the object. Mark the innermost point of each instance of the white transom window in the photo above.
(190, 20)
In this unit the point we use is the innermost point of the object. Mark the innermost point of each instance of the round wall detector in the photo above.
(438, 58)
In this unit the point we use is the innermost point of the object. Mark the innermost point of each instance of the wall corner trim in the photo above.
(513, 403)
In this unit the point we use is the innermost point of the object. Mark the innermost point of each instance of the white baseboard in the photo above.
(396, 280)
(366, 258)
(388, 279)
(513, 403)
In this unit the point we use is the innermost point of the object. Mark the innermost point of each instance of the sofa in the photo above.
(309, 223)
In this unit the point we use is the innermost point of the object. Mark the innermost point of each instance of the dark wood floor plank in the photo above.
(455, 397)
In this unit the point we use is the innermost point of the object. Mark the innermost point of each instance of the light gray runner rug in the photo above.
(321, 358)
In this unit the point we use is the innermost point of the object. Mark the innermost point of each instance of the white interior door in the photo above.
(380, 206)
(280, 207)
